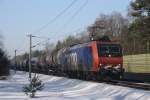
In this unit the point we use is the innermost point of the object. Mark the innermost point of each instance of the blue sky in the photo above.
(19, 17)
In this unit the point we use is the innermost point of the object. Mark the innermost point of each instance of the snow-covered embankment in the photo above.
(58, 88)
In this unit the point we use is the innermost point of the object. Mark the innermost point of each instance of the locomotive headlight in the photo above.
(100, 64)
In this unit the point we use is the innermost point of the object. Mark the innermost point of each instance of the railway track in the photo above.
(125, 83)
(133, 84)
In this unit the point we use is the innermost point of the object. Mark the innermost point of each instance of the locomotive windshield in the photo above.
(113, 50)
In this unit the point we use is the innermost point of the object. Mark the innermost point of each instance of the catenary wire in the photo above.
(74, 15)
(56, 17)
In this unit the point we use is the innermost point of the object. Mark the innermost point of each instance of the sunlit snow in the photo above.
(60, 88)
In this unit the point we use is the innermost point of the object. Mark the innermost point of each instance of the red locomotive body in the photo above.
(110, 59)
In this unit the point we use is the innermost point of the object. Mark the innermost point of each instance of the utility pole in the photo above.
(30, 53)
(15, 61)
(30, 56)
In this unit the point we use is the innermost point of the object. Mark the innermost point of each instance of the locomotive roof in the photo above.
(82, 45)
(89, 43)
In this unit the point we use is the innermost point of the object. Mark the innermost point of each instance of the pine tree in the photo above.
(4, 63)
(35, 85)
(140, 10)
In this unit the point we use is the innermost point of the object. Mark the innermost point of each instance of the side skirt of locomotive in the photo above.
(90, 75)
(85, 75)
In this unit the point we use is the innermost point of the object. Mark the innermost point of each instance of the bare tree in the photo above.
(49, 47)
(111, 25)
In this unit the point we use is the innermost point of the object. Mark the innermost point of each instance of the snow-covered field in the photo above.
(60, 88)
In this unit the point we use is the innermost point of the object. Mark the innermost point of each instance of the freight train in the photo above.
(94, 60)
(99, 60)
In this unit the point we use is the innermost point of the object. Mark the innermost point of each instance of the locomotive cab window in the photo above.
(105, 50)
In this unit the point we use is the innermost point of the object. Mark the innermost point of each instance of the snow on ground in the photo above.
(60, 88)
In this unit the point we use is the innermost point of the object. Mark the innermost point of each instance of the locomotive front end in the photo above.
(110, 60)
